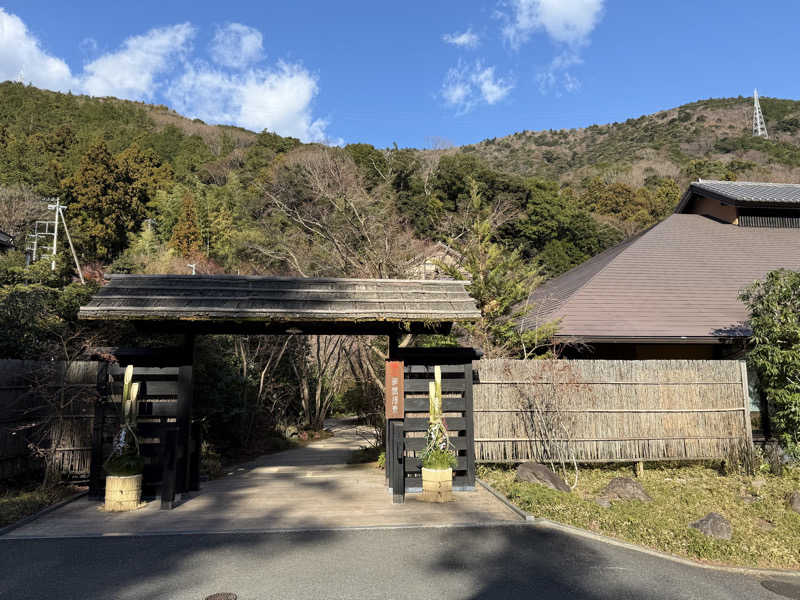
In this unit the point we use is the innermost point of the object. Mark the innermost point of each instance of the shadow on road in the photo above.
(480, 563)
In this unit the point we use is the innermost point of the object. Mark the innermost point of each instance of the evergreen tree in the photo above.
(501, 281)
(104, 205)
(186, 236)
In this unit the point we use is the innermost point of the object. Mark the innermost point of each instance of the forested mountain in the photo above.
(139, 175)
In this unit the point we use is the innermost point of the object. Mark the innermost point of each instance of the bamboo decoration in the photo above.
(437, 482)
(435, 397)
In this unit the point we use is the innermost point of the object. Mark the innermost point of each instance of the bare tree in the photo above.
(319, 367)
(58, 390)
(548, 424)
(259, 357)
(20, 206)
(342, 229)
(337, 228)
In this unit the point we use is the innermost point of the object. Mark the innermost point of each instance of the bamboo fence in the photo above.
(609, 410)
(49, 405)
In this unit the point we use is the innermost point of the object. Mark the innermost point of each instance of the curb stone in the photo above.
(572, 530)
(290, 530)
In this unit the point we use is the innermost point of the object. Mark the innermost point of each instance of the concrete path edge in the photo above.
(578, 531)
(48, 509)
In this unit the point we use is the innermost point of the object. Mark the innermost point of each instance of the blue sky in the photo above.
(414, 73)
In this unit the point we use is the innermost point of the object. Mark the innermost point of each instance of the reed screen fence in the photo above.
(609, 411)
(46, 407)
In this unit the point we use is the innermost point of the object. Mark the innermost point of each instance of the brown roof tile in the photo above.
(681, 278)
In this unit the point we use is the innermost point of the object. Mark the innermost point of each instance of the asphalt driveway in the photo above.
(498, 561)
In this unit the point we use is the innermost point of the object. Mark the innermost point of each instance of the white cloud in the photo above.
(160, 64)
(237, 46)
(465, 86)
(556, 76)
(278, 99)
(565, 21)
(21, 56)
(568, 23)
(466, 39)
(131, 71)
(492, 89)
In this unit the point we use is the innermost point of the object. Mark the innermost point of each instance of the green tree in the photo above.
(501, 282)
(774, 306)
(186, 236)
(105, 206)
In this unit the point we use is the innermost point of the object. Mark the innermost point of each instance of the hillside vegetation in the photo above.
(708, 139)
(133, 173)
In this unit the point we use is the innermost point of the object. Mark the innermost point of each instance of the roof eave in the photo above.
(671, 339)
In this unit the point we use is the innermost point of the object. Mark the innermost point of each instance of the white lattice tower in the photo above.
(759, 126)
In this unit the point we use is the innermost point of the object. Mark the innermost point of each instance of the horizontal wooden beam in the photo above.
(453, 424)
(418, 444)
(267, 327)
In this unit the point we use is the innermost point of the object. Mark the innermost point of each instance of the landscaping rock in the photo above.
(757, 484)
(532, 472)
(765, 525)
(749, 499)
(622, 489)
(793, 502)
(714, 525)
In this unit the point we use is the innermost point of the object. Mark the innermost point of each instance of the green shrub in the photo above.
(775, 318)
(123, 465)
(440, 459)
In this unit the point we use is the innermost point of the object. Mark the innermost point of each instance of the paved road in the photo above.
(512, 561)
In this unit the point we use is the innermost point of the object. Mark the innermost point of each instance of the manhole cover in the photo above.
(222, 596)
(782, 588)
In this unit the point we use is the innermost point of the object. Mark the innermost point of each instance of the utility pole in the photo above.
(56, 208)
(59, 210)
(759, 126)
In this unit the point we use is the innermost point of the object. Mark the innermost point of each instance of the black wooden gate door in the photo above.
(168, 440)
(406, 437)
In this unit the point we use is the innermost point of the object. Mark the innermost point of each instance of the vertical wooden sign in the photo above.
(394, 389)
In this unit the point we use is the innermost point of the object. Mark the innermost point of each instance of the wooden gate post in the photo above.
(169, 474)
(469, 426)
(96, 478)
(184, 421)
(395, 444)
(398, 467)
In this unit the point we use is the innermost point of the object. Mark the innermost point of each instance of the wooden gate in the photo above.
(168, 440)
(406, 436)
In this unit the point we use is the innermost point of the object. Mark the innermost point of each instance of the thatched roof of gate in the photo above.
(282, 302)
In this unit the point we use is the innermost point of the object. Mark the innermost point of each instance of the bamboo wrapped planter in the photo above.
(437, 485)
(123, 493)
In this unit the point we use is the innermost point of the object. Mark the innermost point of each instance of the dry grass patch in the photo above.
(16, 504)
(765, 532)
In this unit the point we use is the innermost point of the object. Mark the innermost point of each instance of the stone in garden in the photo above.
(757, 484)
(714, 525)
(793, 502)
(532, 472)
(765, 525)
(749, 499)
(621, 489)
